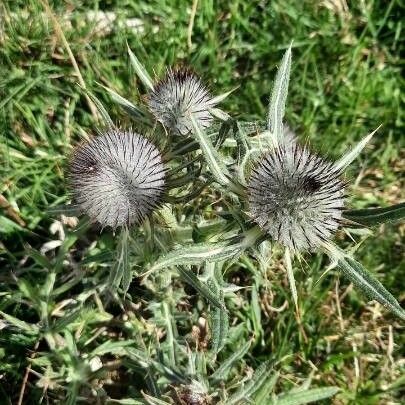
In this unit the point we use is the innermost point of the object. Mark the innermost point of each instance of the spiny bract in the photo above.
(117, 178)
(296, 197)
(177, 96)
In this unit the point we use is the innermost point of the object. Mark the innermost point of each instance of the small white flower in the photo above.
(177, 96)
(296, 196)
(117, 178)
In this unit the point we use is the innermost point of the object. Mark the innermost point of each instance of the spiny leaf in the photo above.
(110, 347)
(197, 254)
(348, 158)
(212, 157)
(246, 391)
(376, 216)
(131, 108)
(100, 107)
(140, 70)
(222, 372)
(218, 317)
(29, 328)
(305, 397)
(121, 269)
(203, 289)
(369, 285)
(262, 394)
(279, 97)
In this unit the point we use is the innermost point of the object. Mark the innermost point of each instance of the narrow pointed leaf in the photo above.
(131, 108)
(222, 372)
(197, 254)
(306, 397)
(219, 319)
(369, 285)
(376, 216)
(279, 97)
(246, 391)
(100, 107)
(348, 158)
(205, 290)
(291, 279)
(28, 328)
(140, 70)
(221, 97)
(214, 160)
(263, 393)
(110, 347)
(121, 269)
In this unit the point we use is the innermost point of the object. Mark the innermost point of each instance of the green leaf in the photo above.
(29, 328)
(100, 107)
(291, 278)
(131, 108)
(376, 216)
(197, 254)
(262, 394)
(208, 252)
(279, 97)
(203, 289)
(307, 396)
(39, 258)
(170, 333)
(369, 285)
(219, 321)
(222, 372)
(140, 70)
(111, 347)
(214, 160)
(121, 269)
(259, 378)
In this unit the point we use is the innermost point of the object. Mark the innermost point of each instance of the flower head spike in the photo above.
(117, 178)
(296, 197)
(178, 95)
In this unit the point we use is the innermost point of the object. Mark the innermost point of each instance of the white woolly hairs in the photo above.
(117, 178)
(177, 96)
(296, 197)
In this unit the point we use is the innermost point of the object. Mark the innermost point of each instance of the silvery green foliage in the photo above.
(295, 196)
(177, 96)
(117, 178)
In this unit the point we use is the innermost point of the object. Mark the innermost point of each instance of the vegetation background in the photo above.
(346, 80)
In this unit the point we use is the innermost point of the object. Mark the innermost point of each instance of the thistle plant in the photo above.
(195, 258)
(177, 96)
(294, 196)
(117, 178)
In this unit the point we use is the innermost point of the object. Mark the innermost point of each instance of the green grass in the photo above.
(345, 81)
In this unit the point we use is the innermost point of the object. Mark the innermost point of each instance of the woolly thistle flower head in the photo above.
(296, 197)
(177, 96)
(117, 178)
